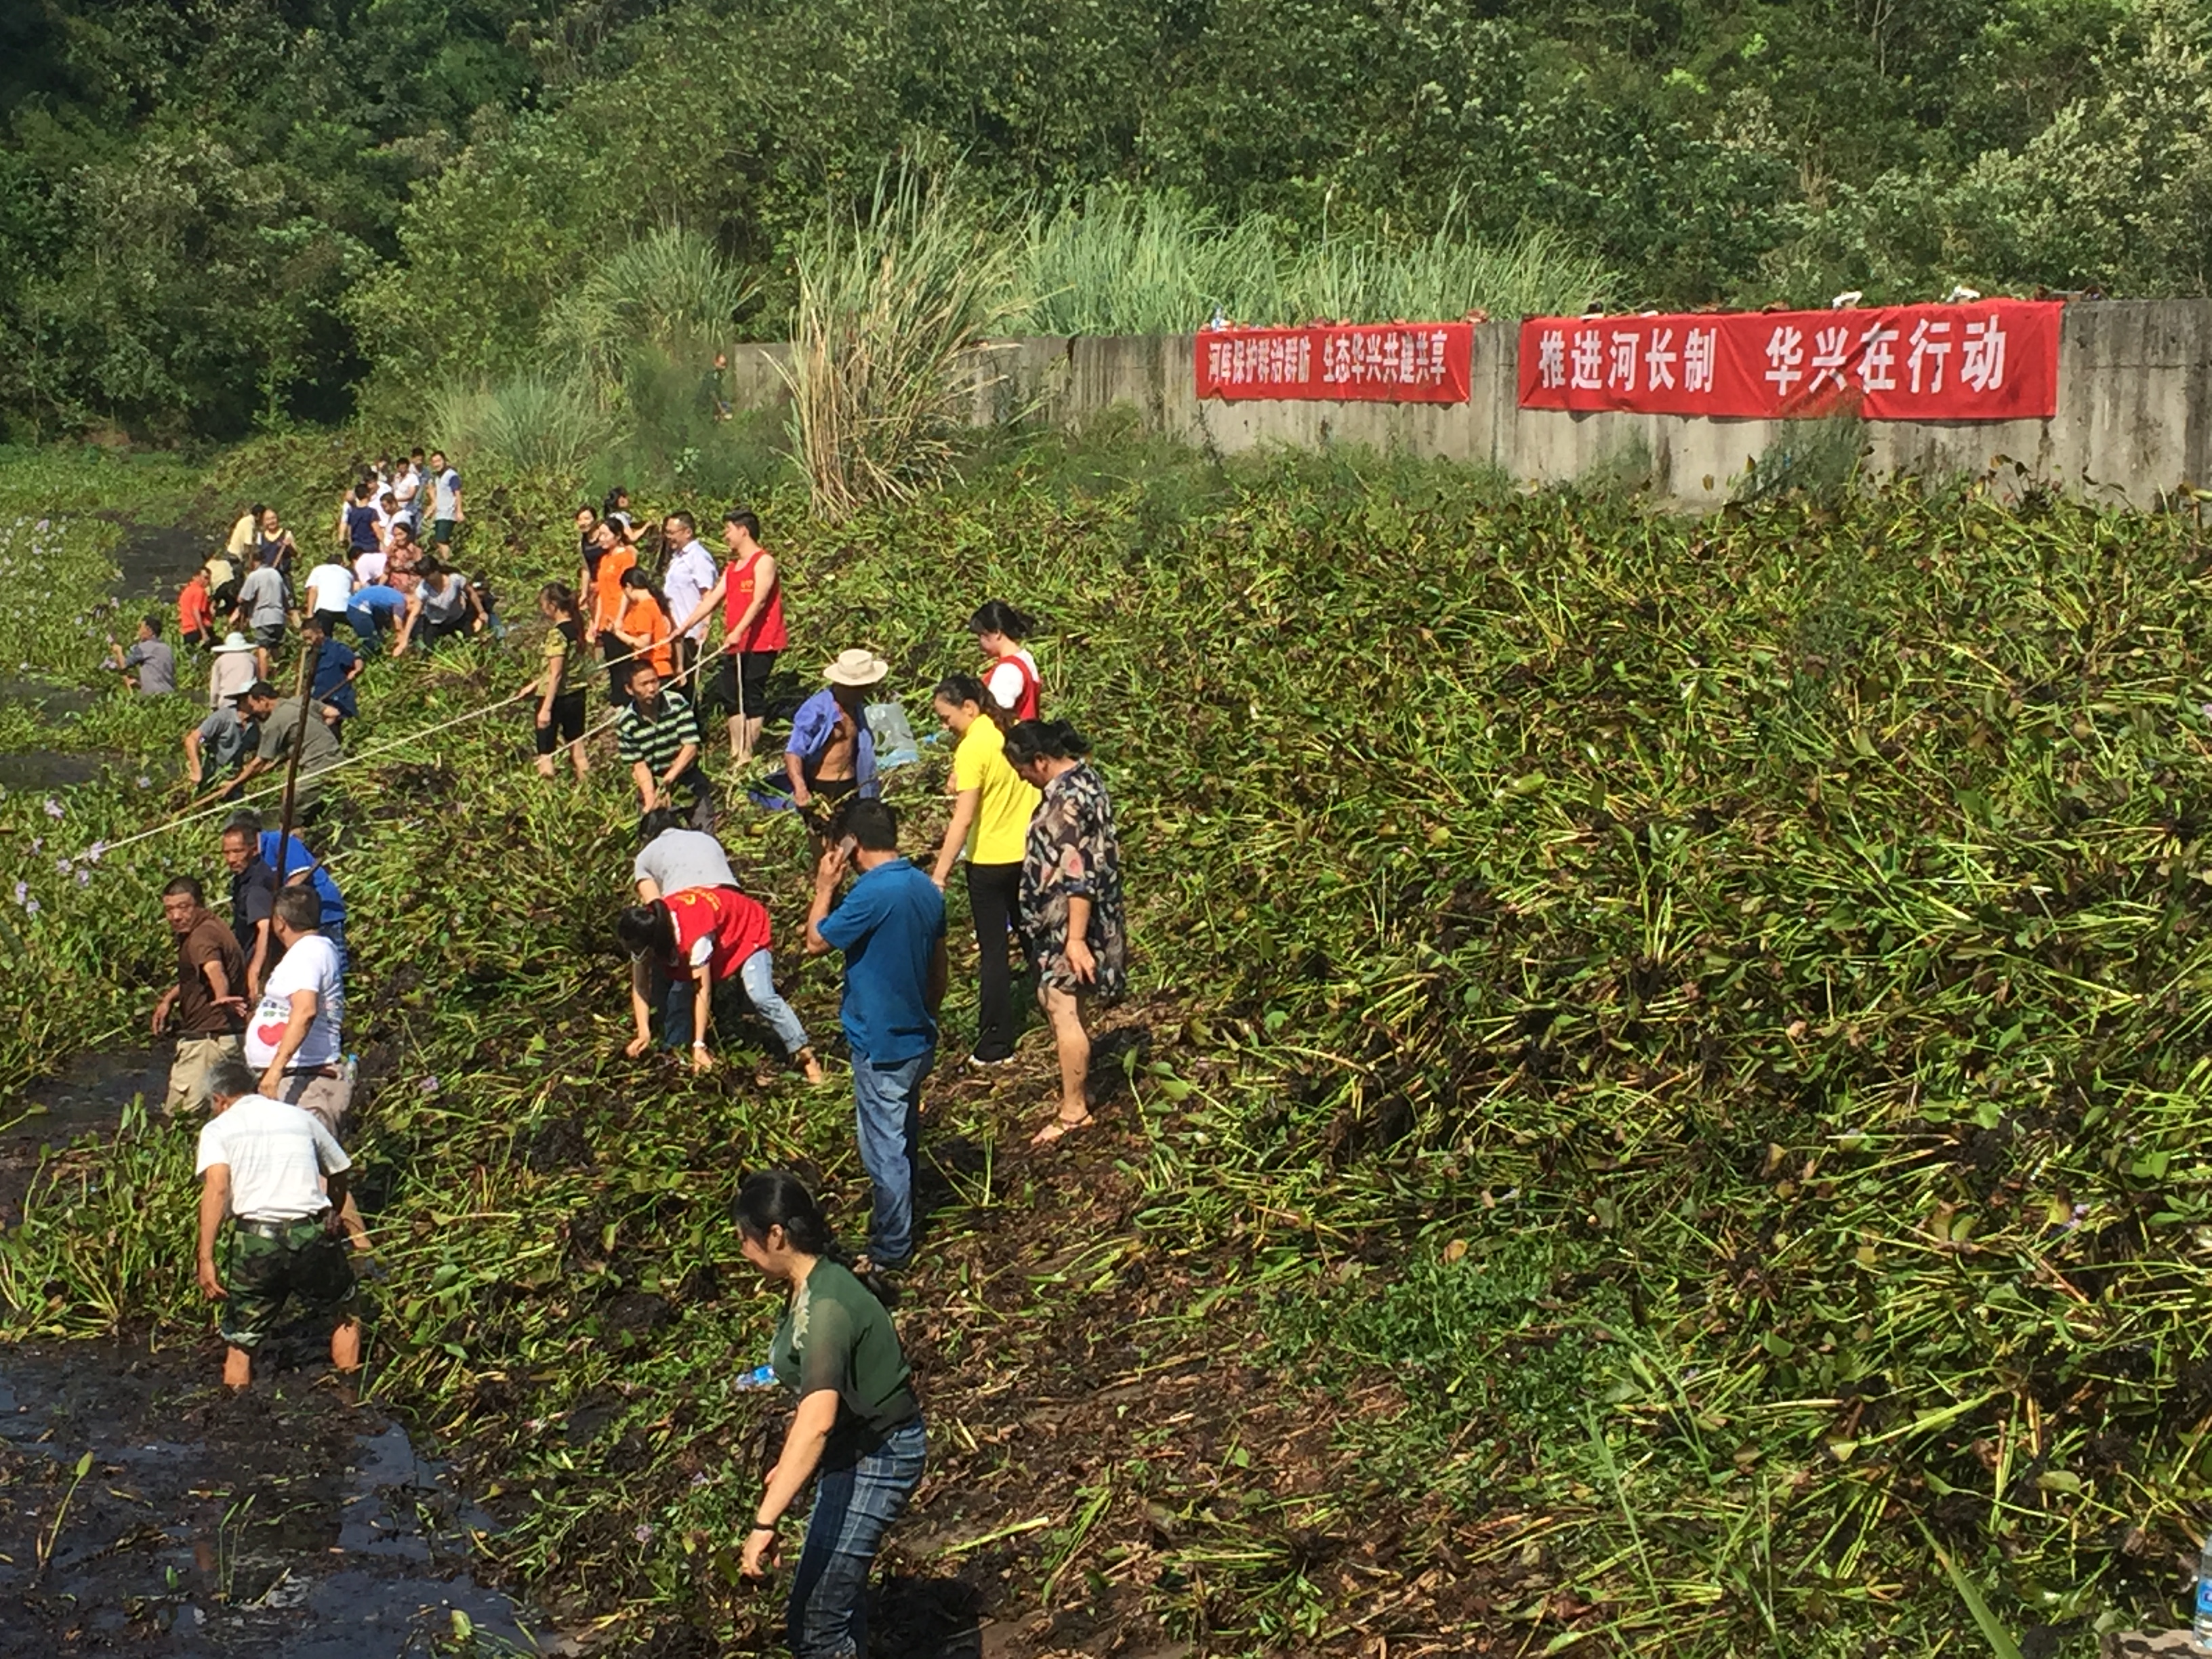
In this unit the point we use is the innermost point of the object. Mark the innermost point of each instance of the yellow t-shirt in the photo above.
(242, 536)
(1002, 816)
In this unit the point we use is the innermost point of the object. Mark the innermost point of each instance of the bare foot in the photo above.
(1061, 1128)
(811, 1068)
(345, 1345)
(237, 1368)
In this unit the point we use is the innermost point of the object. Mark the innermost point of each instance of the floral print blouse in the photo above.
(1073, 853)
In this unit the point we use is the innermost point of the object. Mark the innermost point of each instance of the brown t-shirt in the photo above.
(198, 1013)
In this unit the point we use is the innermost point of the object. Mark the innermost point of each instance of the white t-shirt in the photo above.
(369, 568)
(1004, 682)
(677, 860)
(329, 587)
(446, 493)
(405, 486)
(690, 573)
(277, 1156)
(312, 964)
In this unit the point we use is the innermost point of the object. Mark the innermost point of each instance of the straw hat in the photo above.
(235, 641)
(859, 666)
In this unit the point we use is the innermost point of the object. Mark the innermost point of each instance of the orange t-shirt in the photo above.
(641, 616)
(195, 609)
(606, 585)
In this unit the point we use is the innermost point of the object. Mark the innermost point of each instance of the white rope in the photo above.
(231, 804)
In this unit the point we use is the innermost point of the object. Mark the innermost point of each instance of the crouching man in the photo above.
(277, 1172)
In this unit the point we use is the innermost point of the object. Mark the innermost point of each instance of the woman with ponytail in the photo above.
(1071, 899)
(701, 938)
(1010, 672)
(857, 1432)
(560, 699)
(991, 809)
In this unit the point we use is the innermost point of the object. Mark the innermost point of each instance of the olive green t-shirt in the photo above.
(836, 1335)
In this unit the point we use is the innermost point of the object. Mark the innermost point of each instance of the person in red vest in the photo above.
(701, 938)
(749, 590)
(1011, 676)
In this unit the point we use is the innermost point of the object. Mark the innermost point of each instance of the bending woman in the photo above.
(991, 805)
(702, 937)
(1071, 901)
(858, 1426)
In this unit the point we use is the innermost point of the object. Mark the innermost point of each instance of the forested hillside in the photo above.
(223, 210)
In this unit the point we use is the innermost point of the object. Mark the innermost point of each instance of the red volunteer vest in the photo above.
(766, 632)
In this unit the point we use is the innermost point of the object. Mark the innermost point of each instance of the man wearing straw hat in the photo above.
(832, 753)
(234, 669)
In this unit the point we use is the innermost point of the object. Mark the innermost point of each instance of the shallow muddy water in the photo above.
(283, 1521)
(288, 1520)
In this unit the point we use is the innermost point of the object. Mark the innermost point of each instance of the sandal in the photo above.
(1060, 1128)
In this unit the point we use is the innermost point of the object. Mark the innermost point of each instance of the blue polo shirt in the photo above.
(889, 926)
(298, 858)
(370, 609)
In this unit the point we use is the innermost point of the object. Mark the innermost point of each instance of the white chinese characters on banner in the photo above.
(1405, 356)
(1552, 358)
(1697, 355)
(1981, 365)
(1984, 360)
(1260, 360)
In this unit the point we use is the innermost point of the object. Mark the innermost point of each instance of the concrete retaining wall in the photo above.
(2134, 420)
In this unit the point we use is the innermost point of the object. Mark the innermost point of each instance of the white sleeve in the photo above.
(1005, 685)
(328, 1153)
(703, 949)
(212, 1150)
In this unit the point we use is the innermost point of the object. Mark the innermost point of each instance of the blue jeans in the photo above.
(887, 1105)
(334, 932)
(854, 1508)
(756, 973)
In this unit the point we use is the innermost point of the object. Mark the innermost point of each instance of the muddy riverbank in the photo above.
(286, 1520)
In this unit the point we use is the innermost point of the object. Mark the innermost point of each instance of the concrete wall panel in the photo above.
(2133, 420)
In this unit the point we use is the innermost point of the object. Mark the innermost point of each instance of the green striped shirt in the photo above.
(655, 741)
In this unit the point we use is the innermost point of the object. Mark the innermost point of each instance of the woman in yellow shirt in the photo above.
(991, 809)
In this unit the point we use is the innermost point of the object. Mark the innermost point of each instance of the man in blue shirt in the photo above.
(336, 667)
(891, 928)
(299, 865)
(372, 609)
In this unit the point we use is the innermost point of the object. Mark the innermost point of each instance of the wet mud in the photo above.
(153, 560)
(286, 1520)
(87, 1098)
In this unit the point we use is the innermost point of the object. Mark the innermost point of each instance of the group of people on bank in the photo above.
(258, 1007)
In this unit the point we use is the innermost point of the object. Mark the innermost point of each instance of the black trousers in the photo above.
(994, 898)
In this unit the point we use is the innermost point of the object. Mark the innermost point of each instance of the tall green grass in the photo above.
(890, 303)
(545, 422)
(1153, 264)
(664, 296)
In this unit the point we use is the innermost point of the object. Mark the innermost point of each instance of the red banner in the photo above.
(1993, 360)
(1385, 363)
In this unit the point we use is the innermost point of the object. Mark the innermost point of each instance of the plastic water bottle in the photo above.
(2200, 1628)
(763, 1377)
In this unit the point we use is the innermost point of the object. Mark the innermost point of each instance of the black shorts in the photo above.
(566, 725)
(618, 659)
(744, 672)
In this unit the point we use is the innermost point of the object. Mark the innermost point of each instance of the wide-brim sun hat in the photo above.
(859, 666)
(234, 642)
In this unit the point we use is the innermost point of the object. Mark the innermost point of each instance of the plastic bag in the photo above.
(895, 740)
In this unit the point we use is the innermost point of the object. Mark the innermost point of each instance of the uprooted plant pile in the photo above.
(1665, 1109)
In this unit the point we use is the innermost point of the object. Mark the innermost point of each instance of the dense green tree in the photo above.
(213, 211)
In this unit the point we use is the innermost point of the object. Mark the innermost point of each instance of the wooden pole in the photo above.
(292, 764)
